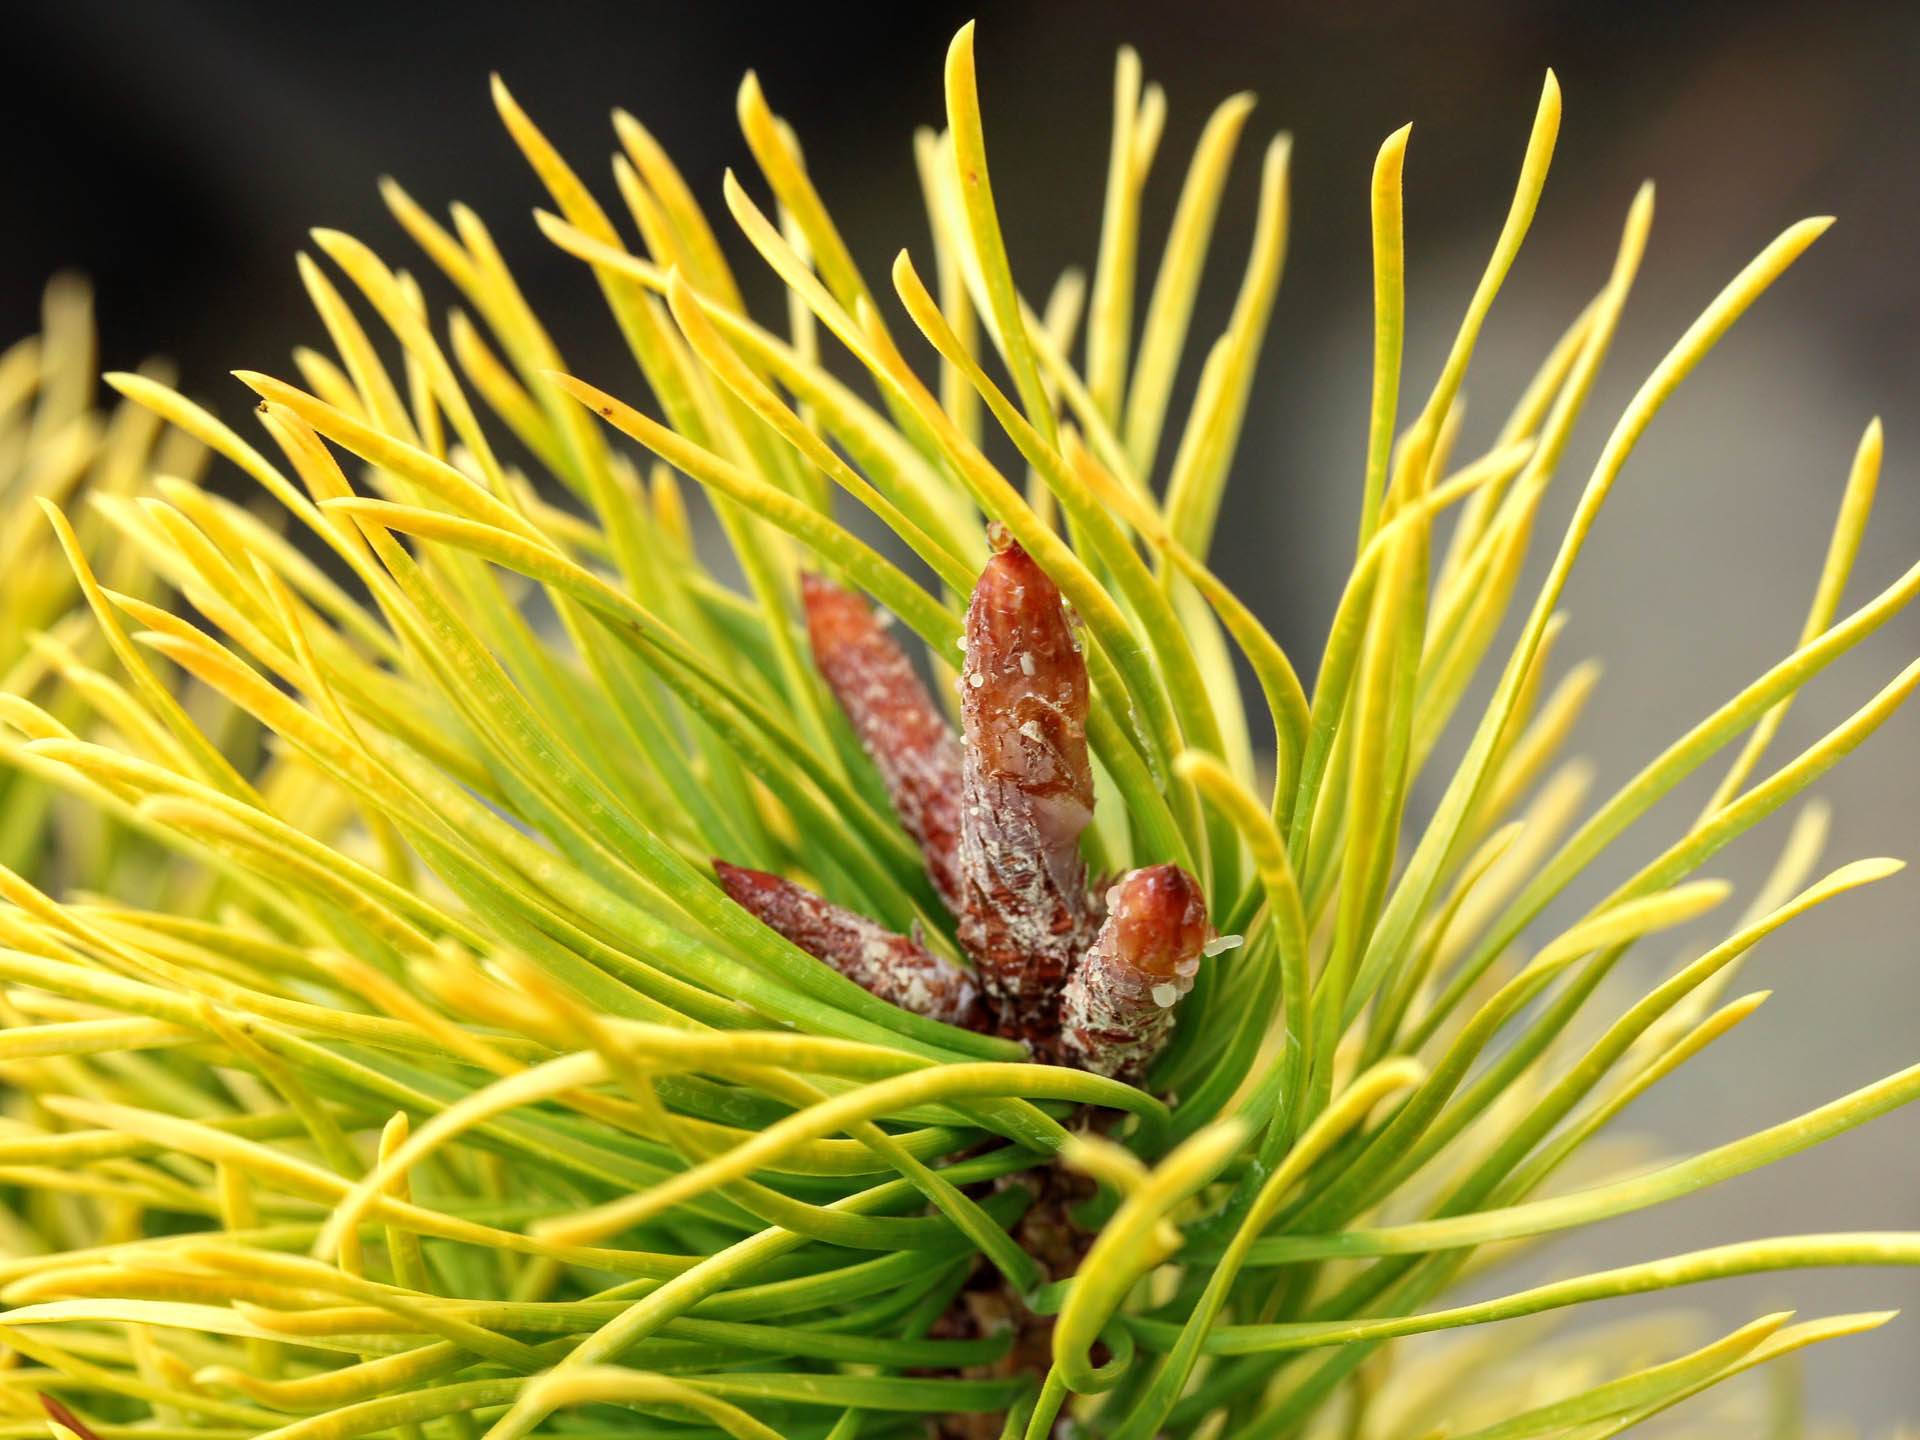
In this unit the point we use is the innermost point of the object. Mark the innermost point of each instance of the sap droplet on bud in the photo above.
(1220, 944)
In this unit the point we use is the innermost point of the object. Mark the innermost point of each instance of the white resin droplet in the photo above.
(1220, 944)
(1165, 995)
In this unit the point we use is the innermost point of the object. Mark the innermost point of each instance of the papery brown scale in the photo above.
(1118, 1008)
(1027, 792)
(896, 720)
(899, 970)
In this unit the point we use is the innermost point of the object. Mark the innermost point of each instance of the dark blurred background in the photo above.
(177, 150)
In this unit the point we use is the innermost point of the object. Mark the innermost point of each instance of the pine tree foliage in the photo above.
(382, 1056)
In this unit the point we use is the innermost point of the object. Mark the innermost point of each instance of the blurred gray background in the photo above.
(178, 151)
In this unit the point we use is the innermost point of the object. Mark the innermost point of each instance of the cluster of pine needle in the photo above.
(380, 1056)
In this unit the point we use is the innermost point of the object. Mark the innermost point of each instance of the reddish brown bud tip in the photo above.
(1160, 920)
(1118, 1008)
(1024, 689)
(898, 970)
(61, 1415)
(896, 720)
(1028, 790)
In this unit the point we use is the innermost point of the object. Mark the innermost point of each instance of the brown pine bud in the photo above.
(900, 971)
(1118, 1008)
(896, 720)
(1027, 792)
